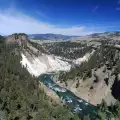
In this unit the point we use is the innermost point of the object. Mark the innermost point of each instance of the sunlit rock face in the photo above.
(85, 58)
(37, 65)
(20, 38)
(44, 64)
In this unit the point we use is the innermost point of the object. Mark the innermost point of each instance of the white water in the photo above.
(57, 89)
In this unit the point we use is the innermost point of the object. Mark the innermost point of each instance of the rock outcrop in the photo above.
(20, 38)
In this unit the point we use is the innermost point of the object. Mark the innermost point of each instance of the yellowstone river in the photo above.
(76, 104)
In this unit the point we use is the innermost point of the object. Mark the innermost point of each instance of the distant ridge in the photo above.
(49, 36)
(106, 34)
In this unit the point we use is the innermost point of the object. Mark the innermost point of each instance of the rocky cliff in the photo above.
(19, 38)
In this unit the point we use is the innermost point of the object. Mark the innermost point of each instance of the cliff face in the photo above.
(20, 38)
(37, 65)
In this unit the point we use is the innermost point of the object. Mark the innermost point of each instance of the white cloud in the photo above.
(12, 22)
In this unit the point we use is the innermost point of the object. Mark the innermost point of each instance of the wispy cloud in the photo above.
(118, 2)
(118, 8)
(13, 22)
(95, 8)
(18, 22)
(41, 14)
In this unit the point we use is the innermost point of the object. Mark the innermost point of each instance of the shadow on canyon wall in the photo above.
(116, 88)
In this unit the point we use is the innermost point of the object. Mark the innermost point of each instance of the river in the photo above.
(76, 104)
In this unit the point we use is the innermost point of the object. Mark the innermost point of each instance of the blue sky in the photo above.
(70, 17)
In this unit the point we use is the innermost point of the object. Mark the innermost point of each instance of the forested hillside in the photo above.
(20, 95)
(69, 50)
(22, 98)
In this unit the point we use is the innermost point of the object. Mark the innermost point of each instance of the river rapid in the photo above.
(76, 104)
